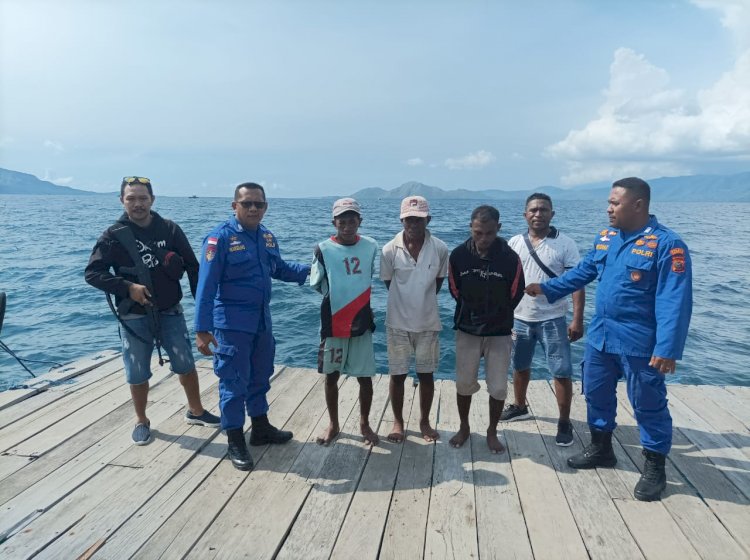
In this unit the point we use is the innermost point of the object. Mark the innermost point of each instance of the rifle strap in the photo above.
(125, 237)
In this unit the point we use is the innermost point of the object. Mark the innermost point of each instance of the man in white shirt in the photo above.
(413, 266)
(545, 253)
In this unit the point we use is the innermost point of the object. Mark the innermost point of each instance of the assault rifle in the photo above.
(125, 237)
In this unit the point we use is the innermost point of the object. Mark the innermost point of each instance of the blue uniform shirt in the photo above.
(234, 284)
(644, 298)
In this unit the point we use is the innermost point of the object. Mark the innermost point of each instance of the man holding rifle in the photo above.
(140, 259)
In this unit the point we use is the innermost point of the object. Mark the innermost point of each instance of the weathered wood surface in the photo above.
(73, 486)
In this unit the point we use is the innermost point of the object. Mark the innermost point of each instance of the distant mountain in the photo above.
(692, 188)
(15, 182)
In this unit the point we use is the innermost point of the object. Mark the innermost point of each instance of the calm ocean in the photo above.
(54, 315)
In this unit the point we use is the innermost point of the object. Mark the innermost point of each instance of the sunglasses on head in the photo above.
(247, 204)
(131, 180)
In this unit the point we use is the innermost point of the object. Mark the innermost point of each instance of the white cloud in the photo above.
(56, 147)
(735, 16)
(646, 128)
(415, 162)
(6, 141)
(65, 181)
(482, 158)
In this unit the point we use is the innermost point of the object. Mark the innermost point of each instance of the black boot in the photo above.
(262, 432)
(238, 452)
(653, 480)
(598, 453)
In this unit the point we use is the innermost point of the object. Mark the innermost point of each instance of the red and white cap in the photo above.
(414, 206)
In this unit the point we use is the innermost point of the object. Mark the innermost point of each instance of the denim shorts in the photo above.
(552, 335)
(175, 342)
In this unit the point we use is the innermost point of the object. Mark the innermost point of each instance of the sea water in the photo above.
(52, 314)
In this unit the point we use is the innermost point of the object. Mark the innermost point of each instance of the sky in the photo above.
(319, 98)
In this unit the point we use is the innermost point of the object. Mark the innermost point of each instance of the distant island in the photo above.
(15, 182)
(692, 188)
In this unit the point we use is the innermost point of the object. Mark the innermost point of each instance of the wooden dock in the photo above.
(72, 485)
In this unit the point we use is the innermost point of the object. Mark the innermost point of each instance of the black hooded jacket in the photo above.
(486, 290)
(165, 251)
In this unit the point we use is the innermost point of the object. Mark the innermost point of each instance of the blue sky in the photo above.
(323, 98)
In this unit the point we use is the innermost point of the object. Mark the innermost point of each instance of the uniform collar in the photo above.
(237, 226)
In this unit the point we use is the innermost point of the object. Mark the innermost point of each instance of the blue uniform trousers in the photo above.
(646, 390)
(244, 364)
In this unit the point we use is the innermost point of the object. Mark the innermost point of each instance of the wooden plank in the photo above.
(552, 529)
(75, 414)
(728, 401)
(13, 414)
(102, 521)
(728, 459)
(46, 397)
(364, 524)
(599, 522)
(405, 528)
(11, 397)
(140, 527)
(240, 535)
(712, 520)
(42, 382)
(309, 462)
(73, 369)
(12, 463)
(496, 496)
(45, 417)
(62, 454)
(38, 468)
(106, 486)
(45, 493)
(716, 416)
(451, 522)
(332, 493)
(650, 524)
(177, 536)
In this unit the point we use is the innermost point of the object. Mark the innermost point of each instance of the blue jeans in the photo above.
(552, 335)
(175, 341)
(244, 364)
(647, 393)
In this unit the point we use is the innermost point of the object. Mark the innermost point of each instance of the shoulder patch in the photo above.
(678, 264)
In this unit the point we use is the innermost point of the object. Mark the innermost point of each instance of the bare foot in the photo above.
(428, 432)
(461, 436)
(329, 435)
(371, 438)
(397, 434)
(493, 442)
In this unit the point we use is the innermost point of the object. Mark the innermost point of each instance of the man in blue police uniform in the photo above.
(643, 304)
(238, 260)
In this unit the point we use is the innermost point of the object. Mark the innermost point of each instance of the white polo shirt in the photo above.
(558, 254)
(412, 301)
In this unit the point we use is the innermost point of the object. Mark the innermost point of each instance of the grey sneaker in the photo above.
(142, 434)
(514, 412)
(205, 419)
(564, 437)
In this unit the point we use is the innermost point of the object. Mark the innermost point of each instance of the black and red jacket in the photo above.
(486, 289)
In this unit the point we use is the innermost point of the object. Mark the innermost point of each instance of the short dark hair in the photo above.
(637, 187)
(486, 213)
(147, 185)
(538, 196)
(249, 186)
